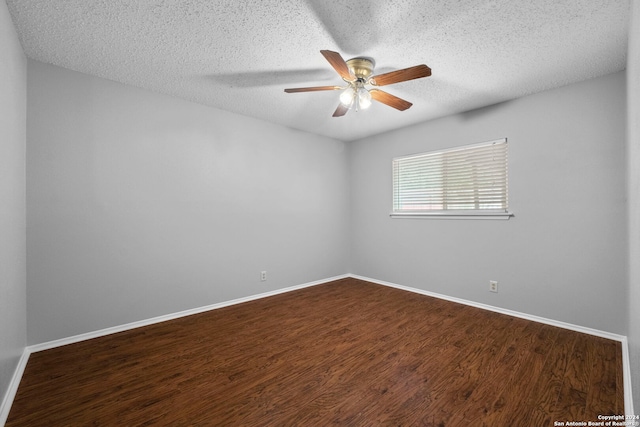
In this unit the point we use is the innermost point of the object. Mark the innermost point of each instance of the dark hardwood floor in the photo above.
(346, 353)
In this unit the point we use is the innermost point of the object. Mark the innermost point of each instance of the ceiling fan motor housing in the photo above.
(362, 68)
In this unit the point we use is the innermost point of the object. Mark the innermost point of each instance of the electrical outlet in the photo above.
(493, 286)
(263, 276)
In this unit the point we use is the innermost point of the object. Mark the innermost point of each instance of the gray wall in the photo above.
(562, 257)
(141, 205)
(13, 100)
(633, 188)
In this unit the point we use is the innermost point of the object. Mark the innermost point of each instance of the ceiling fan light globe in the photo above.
(347, 96)
(364, 98)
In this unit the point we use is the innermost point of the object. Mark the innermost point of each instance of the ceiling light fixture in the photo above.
(347, 97)
(356, 96)
(364, 98)
(357, 73)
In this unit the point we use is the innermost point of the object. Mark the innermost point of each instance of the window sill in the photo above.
(452, 215)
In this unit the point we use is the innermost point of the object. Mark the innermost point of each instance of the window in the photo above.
(459, 182)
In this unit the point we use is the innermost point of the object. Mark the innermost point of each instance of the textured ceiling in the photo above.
(239, 55)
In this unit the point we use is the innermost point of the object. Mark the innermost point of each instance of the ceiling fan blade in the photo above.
(341, 110)
(403, 75)
(390, 100)
(338, 64)
(312, 89)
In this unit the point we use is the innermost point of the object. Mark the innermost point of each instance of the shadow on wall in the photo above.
(482, 111)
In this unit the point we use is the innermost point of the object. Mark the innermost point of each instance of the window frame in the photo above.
(473, 213)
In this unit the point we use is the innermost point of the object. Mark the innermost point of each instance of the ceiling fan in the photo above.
(357, 73)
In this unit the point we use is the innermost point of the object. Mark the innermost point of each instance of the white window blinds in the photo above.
(459, 180)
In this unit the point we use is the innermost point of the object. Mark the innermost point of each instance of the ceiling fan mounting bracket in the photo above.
(362, 68)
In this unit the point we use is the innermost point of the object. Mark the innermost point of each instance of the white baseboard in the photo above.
(626, 372)
(13, 386)
(121, 328)
(508, 312)
(626, 366)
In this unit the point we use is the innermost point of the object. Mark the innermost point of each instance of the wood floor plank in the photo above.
(547, 387)
(342, 353)
(528, 363)
(601, 394)
(620, 409)
(573, 396)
